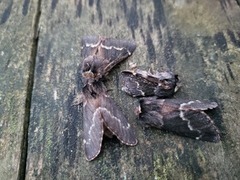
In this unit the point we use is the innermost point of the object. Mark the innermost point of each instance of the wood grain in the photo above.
(198, 40)
(17, 21)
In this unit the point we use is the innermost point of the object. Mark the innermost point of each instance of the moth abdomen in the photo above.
(100, 113)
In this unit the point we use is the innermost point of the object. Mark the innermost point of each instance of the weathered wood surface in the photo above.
(199, 40)
(16, 65)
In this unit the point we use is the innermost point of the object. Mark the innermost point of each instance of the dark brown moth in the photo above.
(139, 83)
(183, 117)
(101, 115)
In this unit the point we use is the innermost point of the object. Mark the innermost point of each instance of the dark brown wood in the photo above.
(198, 40)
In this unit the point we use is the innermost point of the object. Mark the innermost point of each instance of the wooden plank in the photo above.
(199, 40)
(17, 20)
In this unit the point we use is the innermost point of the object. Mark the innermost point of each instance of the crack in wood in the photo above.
(33, 55)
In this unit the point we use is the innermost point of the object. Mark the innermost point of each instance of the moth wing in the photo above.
(194, 124)
(93, 130)
(197, 105)
(199, 121)
(116, 122)
(135, 85)
(184, 120)
(115, 51)
(89, 45)
(188, 119)
(152, 118)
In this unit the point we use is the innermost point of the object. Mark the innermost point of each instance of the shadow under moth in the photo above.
(183, 117)
(100, 113)
(139, 83)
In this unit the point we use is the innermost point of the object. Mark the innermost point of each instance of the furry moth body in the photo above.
(183, 117)
(139, 83)
(100, 113)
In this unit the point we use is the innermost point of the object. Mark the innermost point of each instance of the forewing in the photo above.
(116, 122)
(183, 117)
(151, 118)
(135, 85)
(187, 118)
(201, 123)
(93, 129)
(89, 45)
(115, 51)
(139, 83)
(197, 105)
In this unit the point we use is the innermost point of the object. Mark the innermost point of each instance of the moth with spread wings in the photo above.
(139, 83)
(100, 113)
(183, 117)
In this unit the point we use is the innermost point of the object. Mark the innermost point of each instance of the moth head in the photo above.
(166, 75)
(167, 82)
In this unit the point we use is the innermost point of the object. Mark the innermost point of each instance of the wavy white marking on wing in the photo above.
(93, 45)
(185, 119)
(120, 125)
(117, 48)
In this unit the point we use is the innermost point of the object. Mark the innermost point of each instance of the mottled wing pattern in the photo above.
(139, 83)
(135, 85)
(112, 51)
(116, 122)
(183, 117)
(108, 48)
(200, 125)
(115, 51)
(196, 105)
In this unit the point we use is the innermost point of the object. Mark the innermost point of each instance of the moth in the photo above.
(139, 83)
(102, 54)
(183, 117)
(101, 115)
